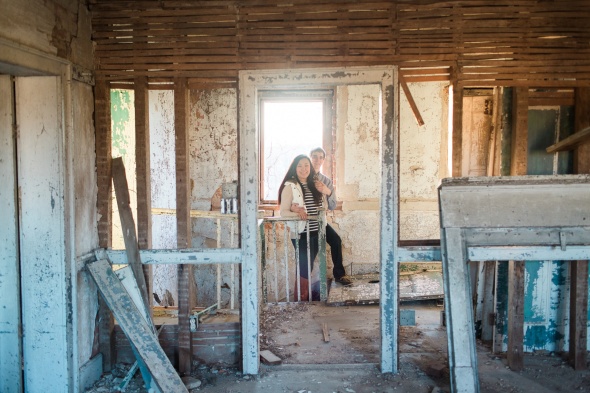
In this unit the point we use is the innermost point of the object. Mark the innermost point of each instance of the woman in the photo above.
(298, 198)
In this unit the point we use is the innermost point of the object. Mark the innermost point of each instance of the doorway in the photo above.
(251, 84)
(37, 321)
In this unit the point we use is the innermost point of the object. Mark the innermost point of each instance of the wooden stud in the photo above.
(578, 326)
(186, 280)
(515, 315)
(457, 132)
(518, 161)
(143, 176)
(103, 134)
(518, 166)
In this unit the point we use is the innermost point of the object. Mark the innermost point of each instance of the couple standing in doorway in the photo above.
(305, 191)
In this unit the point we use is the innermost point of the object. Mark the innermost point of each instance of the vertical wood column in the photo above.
(515, 315)
(142, 172)
(459, 312)
(457, 154)
(520, 131)
(103, 136)
(579, 269)
(186, 280)
(518, 167)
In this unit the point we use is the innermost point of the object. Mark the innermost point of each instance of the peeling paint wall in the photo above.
(213, 161)
(213, 143)
(423, 152)
(163, 188)
(61, 29)
(358, 176)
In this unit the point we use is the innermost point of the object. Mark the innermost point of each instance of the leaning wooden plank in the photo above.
(136, 329)
(571, 141)
(128, 226)
(123, 385)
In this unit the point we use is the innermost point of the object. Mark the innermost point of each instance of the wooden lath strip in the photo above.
(497, 41)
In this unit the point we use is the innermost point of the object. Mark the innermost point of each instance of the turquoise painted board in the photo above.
(546, 302)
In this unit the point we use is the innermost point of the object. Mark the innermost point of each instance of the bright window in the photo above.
(290, 126)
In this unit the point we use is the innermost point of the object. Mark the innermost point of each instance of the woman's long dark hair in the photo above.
(292, 177)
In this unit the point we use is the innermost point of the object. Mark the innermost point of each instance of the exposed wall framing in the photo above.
(500, 43)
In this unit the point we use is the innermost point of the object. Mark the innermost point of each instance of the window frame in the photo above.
(327, 97)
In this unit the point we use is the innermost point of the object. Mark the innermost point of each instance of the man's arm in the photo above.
(332, 198)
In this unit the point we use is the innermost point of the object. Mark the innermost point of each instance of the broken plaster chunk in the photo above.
(190, 382)
(270, 358)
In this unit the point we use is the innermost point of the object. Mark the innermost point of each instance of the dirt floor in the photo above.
(348, 362)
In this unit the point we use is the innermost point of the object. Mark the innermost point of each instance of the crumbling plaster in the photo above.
(163, 189)
(213, 150)
(423, 159)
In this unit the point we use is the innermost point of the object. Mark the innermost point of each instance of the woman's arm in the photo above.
(290, 209)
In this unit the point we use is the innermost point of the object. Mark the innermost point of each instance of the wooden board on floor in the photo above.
(135, 327)
(365, 289)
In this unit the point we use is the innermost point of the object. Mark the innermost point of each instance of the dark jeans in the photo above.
(313, 251)
(335, 243)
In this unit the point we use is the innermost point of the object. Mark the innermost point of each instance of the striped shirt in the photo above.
(312, 208)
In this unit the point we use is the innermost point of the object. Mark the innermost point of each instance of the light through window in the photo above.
(289, 128)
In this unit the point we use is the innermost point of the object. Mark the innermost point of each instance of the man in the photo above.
(325, 186)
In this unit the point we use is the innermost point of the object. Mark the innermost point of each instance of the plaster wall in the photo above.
(358, 176)
(213, 161)
(423, 159)
(163, 187)
(213, 143)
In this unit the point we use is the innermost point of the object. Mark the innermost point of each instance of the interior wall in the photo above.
(163, 191)
(53, 37)
(213, 153)
(422, 165)
(358, 176)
